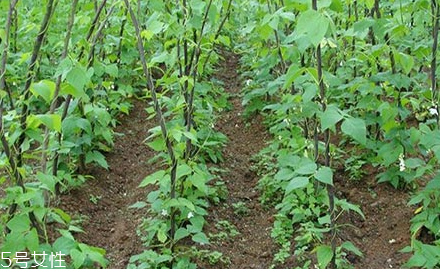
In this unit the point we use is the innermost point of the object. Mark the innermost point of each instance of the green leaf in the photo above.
(48, 181)
(197, 223)
(78, 78)
(406, 61)
(78, 258)
(187, 203)
(2, 35)
(94, 253)
(64, 244)
(291, 75)
(112, 70)
(390, 152)
(3, 94)
(325, 175)
(197, 5)
(297, 183)
(19, 223)
(284, 174)
(200, 238)
(153, 26)
(64, 216)
(417, 260)
(147, 34)
(45, 89)
(183, 170)
(162, 235)
(350, 247)
(369, 3)
(71, 124)
(313, 25)
(153, 178)
(179, 202)
(362, 27)
(32, 241)
(68, 89)
(324, 254)
(96, 156)
(138, 205)
(347, 206)
(306, 167)
(158, 144)
(51, 121)
(337, 6)
(190, 136)
(355, 128)
(199, 181)
(160, 58)
(330, 117)
(180, 233)
(324, 220)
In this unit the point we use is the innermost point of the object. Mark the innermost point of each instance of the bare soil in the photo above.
(253, 247)
(109, 223)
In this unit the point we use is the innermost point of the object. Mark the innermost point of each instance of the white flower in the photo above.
(190, 215)
(248, 82)
(433, 111)
(401, 163)
(164, 213)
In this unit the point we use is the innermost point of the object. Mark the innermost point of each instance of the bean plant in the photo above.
(58, 78)
(339, 83)
(362, 72)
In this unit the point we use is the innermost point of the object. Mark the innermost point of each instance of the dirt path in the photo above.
(103, 202)
(252, 247)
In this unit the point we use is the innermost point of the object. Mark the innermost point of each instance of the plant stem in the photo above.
(98, 33)
(436, 13)
(54, 104)
(4, 59)
(92, 27)
(6, 148)
(159, 115)
(30, 76)
(330, 188)
(189, 113)
(277, 41)
(217, 34)
(25, 110)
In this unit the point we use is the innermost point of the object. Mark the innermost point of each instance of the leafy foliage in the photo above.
(339, 83)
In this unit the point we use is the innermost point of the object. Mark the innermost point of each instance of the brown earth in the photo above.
(253, 247)
(108, 223)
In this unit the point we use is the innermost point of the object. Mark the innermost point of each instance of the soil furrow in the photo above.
(252, 247)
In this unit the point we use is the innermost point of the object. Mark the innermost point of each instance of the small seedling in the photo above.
(226, 231)
(95, 198)
(240, 209)
(213, 257)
